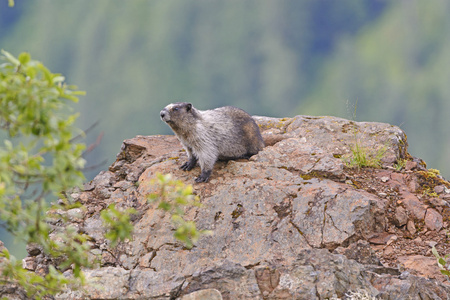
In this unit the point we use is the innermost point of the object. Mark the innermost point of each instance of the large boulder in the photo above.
(293, 222)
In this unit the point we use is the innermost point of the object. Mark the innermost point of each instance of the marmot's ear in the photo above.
(188, 106)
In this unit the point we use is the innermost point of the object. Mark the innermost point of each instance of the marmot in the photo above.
(223, 133)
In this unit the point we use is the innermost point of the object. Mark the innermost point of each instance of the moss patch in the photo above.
(428, 180)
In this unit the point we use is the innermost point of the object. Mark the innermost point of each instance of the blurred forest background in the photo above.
(273, 58)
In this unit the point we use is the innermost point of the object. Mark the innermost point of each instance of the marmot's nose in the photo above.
(162, 114)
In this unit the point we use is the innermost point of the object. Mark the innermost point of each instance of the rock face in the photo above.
(293, 222)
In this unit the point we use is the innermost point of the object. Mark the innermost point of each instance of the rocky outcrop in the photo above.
(293, 222)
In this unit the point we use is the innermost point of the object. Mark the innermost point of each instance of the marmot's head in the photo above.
(178, 113)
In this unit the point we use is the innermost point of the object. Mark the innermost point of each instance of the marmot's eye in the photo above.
(175, 109)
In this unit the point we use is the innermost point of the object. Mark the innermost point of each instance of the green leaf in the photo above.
(58, 79)
(24, 58)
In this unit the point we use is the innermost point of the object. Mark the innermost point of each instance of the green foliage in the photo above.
(36, 117)
(173, 196)
(38, 155)
(38, 160)
(443, 262)
(118, 223)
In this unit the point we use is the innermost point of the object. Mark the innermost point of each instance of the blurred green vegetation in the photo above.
(397, 70)
(134, 57)
(38, 159)
(274, 58)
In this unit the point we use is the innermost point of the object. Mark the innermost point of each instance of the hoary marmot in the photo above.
(208, 135)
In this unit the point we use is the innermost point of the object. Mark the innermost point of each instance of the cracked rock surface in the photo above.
(293, 222)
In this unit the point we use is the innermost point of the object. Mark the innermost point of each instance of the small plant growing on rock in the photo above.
(173, 196)
(400, 164)
(360, 156)
(363, 158)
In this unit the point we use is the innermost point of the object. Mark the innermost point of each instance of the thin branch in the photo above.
(27, 183)
(94, 145)
(85, 132)
(39, 197)
(96, 166)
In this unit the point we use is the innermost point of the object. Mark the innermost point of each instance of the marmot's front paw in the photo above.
(203, 177)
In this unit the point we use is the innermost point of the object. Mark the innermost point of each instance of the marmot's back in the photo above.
(233, 131)
(222, 133)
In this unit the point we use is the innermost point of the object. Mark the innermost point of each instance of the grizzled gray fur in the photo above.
(208, 135)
